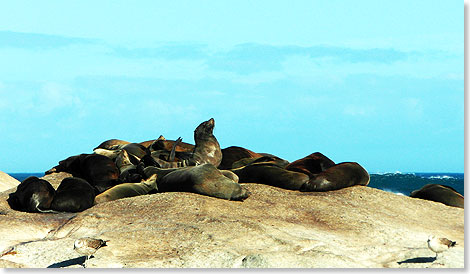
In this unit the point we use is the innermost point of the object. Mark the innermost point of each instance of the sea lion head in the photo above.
(204, 129)
(32, 195)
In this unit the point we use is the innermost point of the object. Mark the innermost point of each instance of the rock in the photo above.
(352, 227)
(7, 182)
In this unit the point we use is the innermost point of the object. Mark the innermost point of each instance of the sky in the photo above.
(380, 83)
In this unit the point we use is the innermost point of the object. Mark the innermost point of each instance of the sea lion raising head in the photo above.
(207, 149)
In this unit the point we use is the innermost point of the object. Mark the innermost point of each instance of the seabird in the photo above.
(88, 246)
(438, 245)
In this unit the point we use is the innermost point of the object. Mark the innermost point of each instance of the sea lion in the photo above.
(233, 153)
(73, 195)
(165, 164)
(203, 179)
(271, 174)
(112, 144)
(128, 190)
(207, 149)
(111, 154)
(167, 145)
(98, 170)
(147, 172)
(149, 143)
(165, 159)
(338, 176)
(230, 174)
(439, 193)
(311, 164)
(272, 160)
(168, 159)
(136, 150)
(32, 195)
(127, 165)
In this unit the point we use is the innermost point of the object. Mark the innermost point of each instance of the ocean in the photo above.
(405, 183)
(398, 183)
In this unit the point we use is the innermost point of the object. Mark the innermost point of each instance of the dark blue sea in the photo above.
(21, 176)
(399, 183)
(405, 183)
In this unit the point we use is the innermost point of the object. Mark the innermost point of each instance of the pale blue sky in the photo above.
(376, 82)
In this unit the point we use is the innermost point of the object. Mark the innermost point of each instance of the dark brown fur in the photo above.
(233, 153)
(207, 149)
(311, 164)
(441, 194)
(338, 176)
(271, 174)
(136, 150)
(112, 144)
(32, 195)
(73, 195)
(98, 170)
(167, 145)
(271, 160)
(202, 179)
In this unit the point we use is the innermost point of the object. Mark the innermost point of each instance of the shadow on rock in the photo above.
(418, 260)
(74, 261)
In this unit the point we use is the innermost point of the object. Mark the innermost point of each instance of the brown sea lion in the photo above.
(272, 160)
(127, 166)
(149, 143)
(311, 164)
(439, 193)
(166, 164)
(98, 170)
(167, 145)
(128, 190)
(203, 179)
(136, 150)
(32, 195)
(271, 174)
(233, 153)
(73, 195)
(230, 174)
(112, 144)
(207, 148)
(338, 176)
(111, 154)
(168, 159)
(123, 160)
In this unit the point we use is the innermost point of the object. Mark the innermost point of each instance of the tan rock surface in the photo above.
(7, 182)
(353, 227)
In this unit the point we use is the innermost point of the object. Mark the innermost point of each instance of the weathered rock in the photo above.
(353, 227)
(7, 182)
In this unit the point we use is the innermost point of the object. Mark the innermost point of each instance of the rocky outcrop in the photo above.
(353, 227)
(7, 182)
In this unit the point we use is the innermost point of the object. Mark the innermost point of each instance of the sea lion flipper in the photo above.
(171, 157)
(151, 182)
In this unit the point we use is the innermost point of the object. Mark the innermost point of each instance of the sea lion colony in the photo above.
(117, 169)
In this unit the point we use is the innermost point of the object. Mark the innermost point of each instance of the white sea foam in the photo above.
(442, 177)
(394, 192)
(388, 173)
